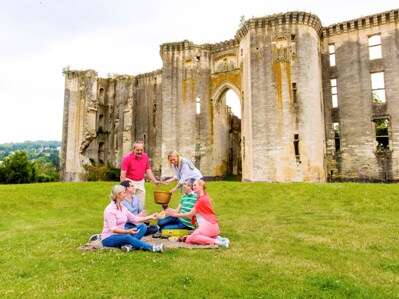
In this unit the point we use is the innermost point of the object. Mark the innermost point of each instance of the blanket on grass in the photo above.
(169, 244)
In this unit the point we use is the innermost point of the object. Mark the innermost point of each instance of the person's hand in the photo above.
(161, 215)
(170, 212)
(132, 231)
(153, 216)
(156, 182)
(143, 213)
(173, 190)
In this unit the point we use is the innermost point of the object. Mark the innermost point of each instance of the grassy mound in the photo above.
(287, 240)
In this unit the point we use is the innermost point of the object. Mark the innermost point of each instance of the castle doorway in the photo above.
(234, 167)
(227, 133)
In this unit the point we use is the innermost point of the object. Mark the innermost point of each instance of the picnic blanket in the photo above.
(169, 244)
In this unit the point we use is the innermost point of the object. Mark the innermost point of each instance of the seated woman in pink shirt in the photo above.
(114, 233)
(208, 228)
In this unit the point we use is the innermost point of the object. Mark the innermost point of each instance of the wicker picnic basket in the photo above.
(162, 197)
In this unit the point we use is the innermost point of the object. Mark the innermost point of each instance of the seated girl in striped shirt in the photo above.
(187, 202)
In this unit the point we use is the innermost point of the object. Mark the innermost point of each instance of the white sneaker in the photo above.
(219, 238)
(226, 242)
(126, 248)
(223, 242)
(158, 248)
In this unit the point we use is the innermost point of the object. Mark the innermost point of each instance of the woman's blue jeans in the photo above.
(119, 240)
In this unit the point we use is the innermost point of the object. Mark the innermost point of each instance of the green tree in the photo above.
(17, 169)
(45, 171)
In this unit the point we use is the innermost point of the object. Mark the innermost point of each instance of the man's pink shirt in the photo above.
(135, 168)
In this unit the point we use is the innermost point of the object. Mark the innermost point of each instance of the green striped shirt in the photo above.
(187, 202)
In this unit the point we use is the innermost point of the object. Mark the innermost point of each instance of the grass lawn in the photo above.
(287, 241)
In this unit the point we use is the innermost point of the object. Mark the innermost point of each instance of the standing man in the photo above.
(134, 166)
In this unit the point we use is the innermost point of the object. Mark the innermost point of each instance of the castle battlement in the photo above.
(370, 21)
(225, 45)
(282, 19)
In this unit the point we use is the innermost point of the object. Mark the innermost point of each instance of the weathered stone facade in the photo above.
(281, 68)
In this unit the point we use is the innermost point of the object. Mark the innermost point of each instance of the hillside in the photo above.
(47, 150)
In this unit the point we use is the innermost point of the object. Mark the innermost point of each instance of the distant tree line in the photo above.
(29, 162)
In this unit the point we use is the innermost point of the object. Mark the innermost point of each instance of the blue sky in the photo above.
(39, 38)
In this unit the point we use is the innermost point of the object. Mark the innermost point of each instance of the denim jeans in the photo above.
(170, 222)
(149, 229)
(142, 229)
(119, 240)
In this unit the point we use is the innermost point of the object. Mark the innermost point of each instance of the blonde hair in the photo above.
(115, 191)
(201, 183)
(175, 153)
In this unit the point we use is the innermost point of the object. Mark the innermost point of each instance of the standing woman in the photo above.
(114, 233)
(184, 170)
(208, 227)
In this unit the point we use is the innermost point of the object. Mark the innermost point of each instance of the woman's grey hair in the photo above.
(115, 191)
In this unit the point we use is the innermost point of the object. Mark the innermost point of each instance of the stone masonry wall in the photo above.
(104, 116)
(359, 158)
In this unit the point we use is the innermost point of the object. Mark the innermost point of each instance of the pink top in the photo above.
(135, 168)
(115, 218)
(204, 208)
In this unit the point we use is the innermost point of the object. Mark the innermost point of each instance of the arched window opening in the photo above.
(233, 102)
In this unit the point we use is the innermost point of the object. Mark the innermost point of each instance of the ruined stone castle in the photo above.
(317, 103)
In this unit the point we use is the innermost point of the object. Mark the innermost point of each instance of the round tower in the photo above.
(283, 123)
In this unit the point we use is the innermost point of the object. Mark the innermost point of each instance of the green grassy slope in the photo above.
(287, 240)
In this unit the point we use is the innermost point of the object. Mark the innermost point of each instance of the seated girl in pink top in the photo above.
(114, 233)
(208, 228)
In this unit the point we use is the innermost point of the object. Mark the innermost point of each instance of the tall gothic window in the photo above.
(198, 105)
(382, 133)
(331, 53)
(378, 87)
(337, 136)
(375, 49)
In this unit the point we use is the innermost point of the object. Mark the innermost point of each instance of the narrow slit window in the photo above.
(198, 105)
(294, 92)
(378, 87)
(375, 47)
(337, 136)
(334, 93)
(331, 53)
(296, 147)
(382, 133)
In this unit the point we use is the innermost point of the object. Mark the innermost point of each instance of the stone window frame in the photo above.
(379, 139)
(336, 127)
(375, 48)
(377, 91)
(332, 55)
(334, 92)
